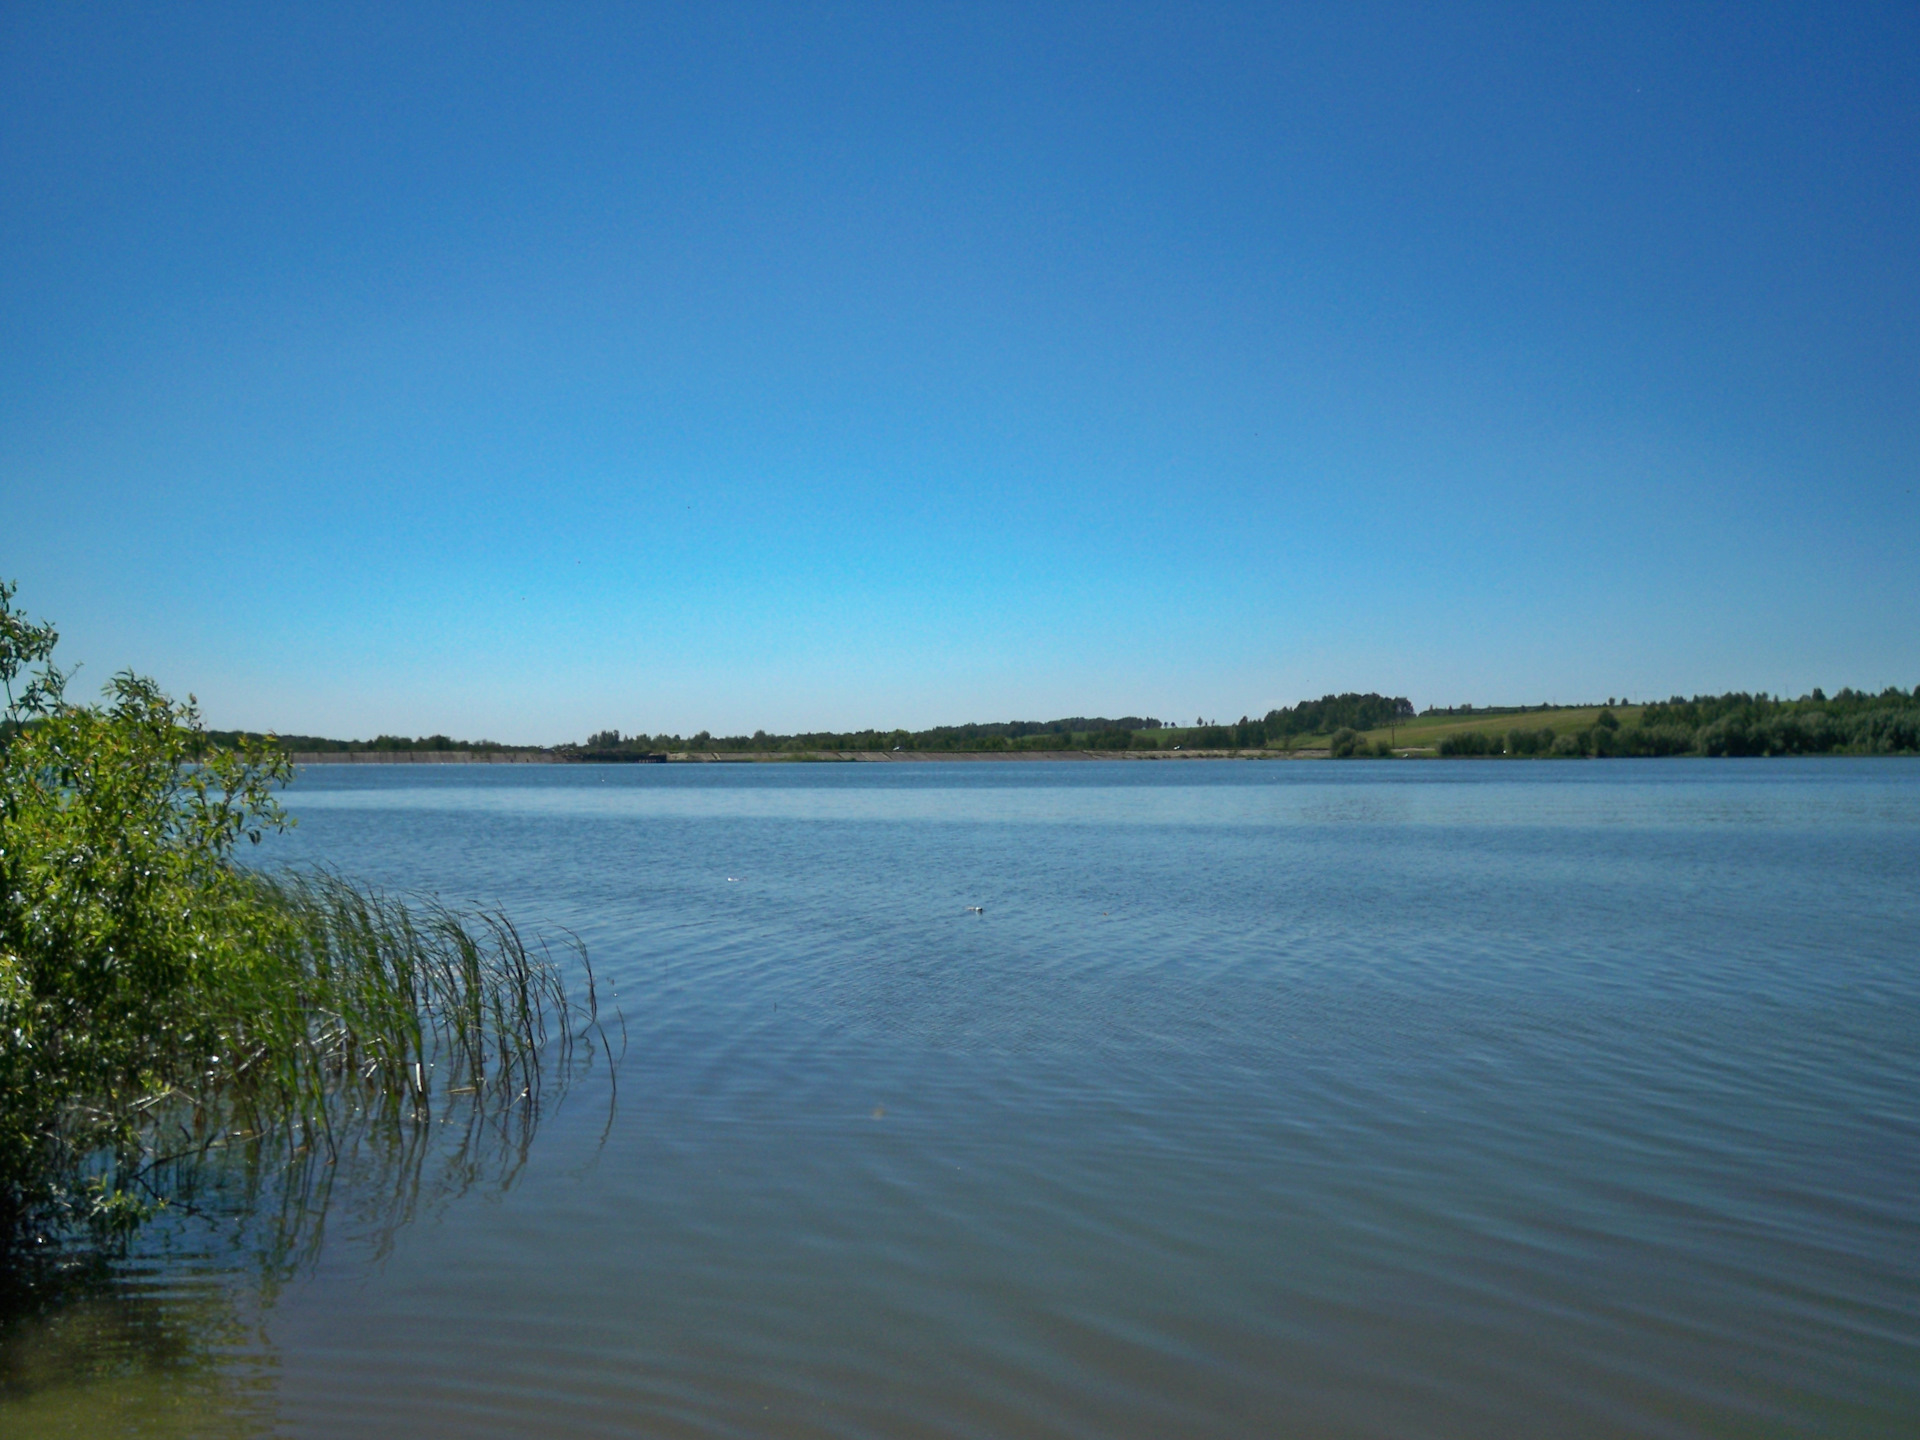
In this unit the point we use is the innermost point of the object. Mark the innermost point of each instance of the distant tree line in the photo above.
(1851, 722)
(1076, 732)
(1738, 723)
(1329, 715)
(1338, 712)
(320, 745)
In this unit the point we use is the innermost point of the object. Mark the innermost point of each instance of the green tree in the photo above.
(117, 901)
(145, 976)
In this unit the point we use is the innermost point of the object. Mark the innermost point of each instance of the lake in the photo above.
(1262, 1099)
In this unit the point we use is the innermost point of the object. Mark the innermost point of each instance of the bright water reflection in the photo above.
(1301, 1099)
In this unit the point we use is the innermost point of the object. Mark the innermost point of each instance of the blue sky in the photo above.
(521, 371)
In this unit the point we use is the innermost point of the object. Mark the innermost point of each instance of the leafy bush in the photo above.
(1644, 739)
(1530, 742)
(151, 986)
(1851, 721)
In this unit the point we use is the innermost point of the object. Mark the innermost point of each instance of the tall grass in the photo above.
(403, 1050)
(362, 1010)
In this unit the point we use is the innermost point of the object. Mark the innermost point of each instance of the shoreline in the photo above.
(778, 757)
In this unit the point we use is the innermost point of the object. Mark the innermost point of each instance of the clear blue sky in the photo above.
(520, 371)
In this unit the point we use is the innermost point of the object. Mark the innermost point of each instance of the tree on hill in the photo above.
(1338, 712)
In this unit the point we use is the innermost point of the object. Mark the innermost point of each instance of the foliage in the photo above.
(1521, 741)
(1851, 722)
(1074, 732)
(157, 997)
(320, 745)
(1077, 732)
(1336, 712)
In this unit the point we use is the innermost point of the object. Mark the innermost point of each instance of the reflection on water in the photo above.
(1296, 1099)
(143, 1351)
(170, 1340)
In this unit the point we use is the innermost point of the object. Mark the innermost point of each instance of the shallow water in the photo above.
(1414, 1099)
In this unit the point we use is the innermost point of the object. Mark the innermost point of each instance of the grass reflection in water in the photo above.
(164, 1335)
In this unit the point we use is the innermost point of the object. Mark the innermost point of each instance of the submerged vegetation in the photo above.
(167, 1013)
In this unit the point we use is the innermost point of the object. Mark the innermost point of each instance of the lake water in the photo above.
(1283, 1099)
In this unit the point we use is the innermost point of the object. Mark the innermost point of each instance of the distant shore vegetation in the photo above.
(1849, 722)
(1347, 726)
(1357, 726)
(1077, 732)
(383, 744)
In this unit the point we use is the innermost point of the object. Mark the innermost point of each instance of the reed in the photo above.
(343, 1026)
(355, 1008)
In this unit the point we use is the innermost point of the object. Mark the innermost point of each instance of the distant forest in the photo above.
(1851, 722)
(320, 745)
(1854, 722)
(1075, 732)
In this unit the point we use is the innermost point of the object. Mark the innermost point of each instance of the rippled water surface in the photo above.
(1291, 1099)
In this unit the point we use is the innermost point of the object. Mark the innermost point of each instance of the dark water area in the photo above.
(1263, 1099)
